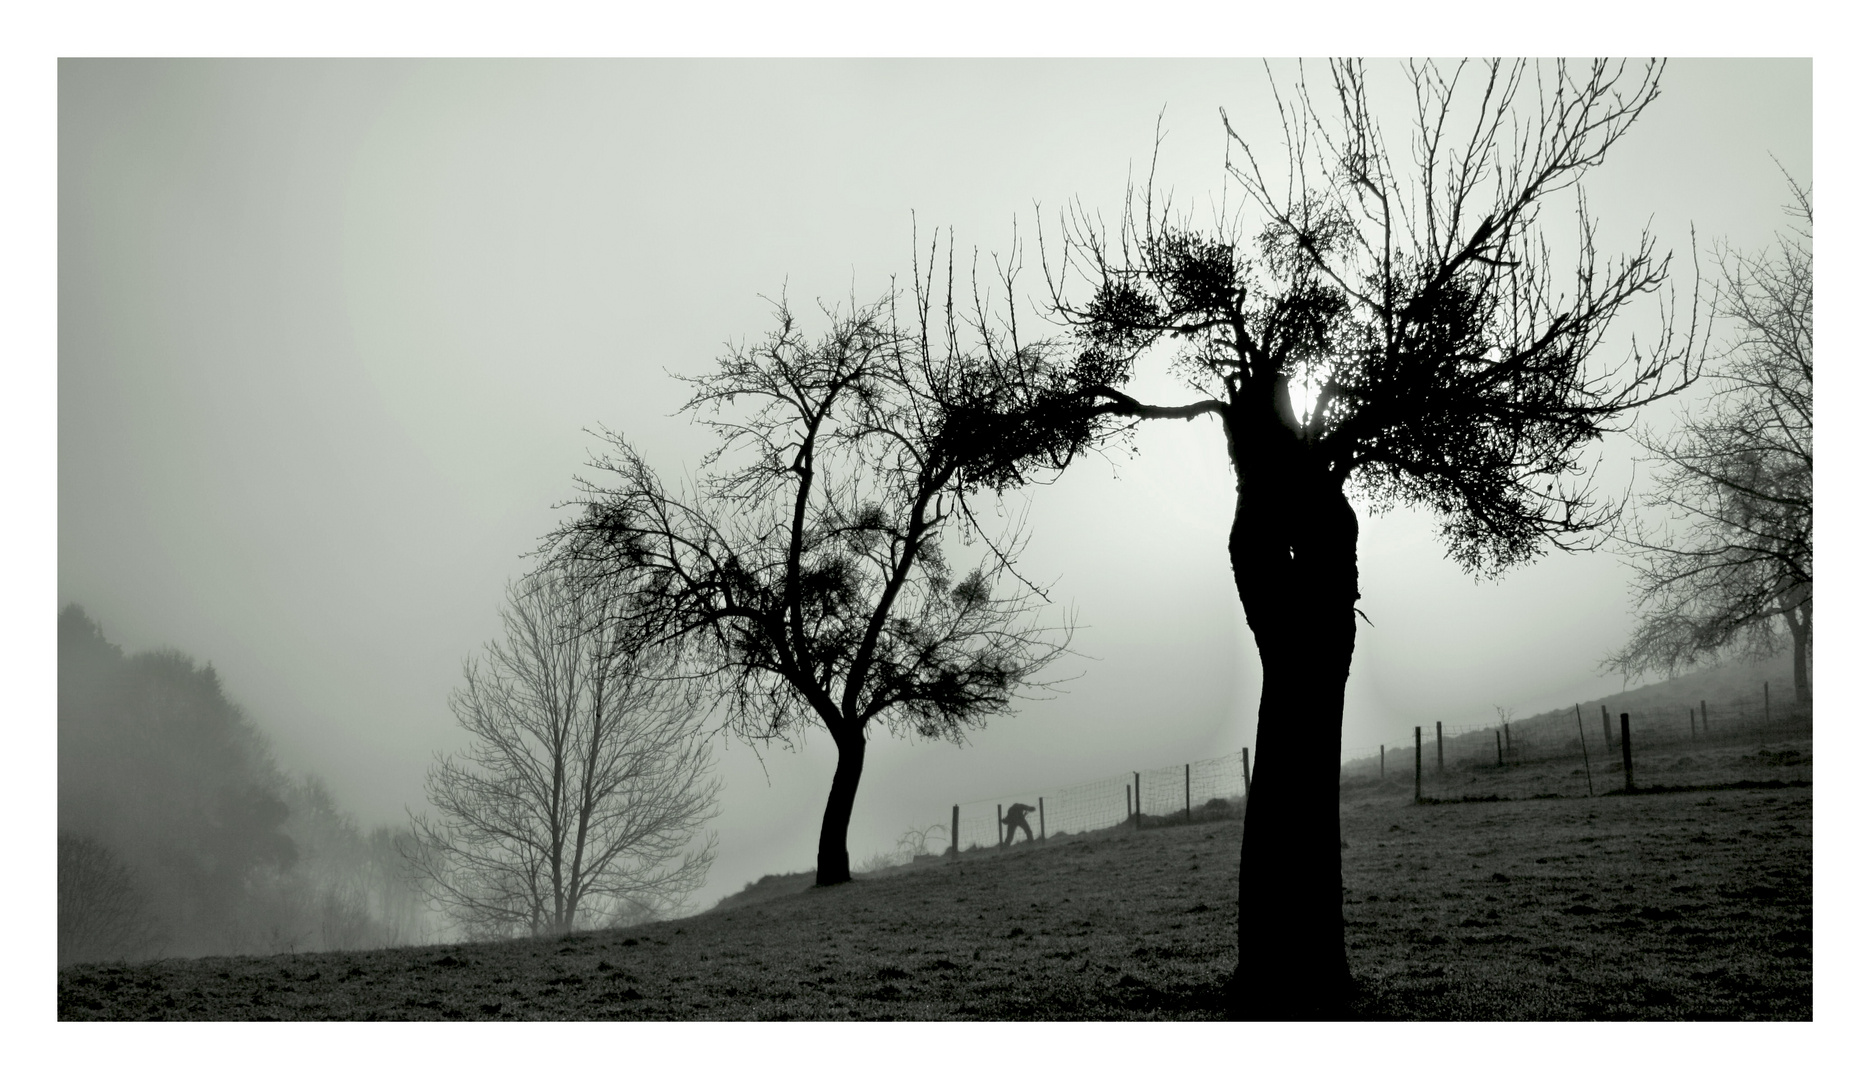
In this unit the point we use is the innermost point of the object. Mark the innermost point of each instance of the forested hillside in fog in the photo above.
(178, 835)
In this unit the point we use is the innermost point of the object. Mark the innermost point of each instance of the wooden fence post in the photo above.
(1419, 763)
(1438, 746)
(954, 830)
(1500, 761)
(1583, 751)
(1624, 732)
(1188, 812)
(1137, 777)
(1000, 822)
(1605, 711)
(1042, 819)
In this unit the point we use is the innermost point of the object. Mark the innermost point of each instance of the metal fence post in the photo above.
(1499, 759)
(1605, 711)
(1000, 822)
(1380, 761)
(1137, 778)
(1188, 812)
(1247, 774)
(954, 830)
(1438, 746)
(1042, 819)
(1705, 716)
(1767, 705)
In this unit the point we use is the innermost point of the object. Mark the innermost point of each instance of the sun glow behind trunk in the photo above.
(1303, 391)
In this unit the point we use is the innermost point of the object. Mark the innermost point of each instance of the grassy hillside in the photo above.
(1684, 904)
(1729, 687)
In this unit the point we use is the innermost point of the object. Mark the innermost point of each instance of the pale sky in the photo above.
(331, 335)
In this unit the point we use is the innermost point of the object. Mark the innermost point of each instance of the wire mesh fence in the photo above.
(1584, 746)
(1196, 790)
(1549, 750)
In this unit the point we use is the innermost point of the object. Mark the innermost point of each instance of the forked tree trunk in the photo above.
(1294, 555)
(834, 860)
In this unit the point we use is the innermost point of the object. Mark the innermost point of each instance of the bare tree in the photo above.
(806, 572)
(1734, 561)
(1394, 333)
(102, 915)
(393, 888)
(587, 779)
(914, 843)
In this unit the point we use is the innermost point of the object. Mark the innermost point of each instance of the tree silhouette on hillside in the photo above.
(806, 574)
(1395, 333)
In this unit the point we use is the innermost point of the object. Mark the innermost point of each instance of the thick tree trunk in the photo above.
(1295, 566)
(1800, 625)
(834, 860)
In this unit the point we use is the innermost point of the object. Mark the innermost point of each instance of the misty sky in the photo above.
(331, 336)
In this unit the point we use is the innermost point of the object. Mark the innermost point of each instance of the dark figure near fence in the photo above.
(1016, 819)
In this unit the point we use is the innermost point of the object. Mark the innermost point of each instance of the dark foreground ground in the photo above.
(1688, 904)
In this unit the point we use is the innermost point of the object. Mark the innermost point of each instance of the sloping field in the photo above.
(1674, 905)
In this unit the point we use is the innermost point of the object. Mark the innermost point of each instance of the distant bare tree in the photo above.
(102, 915)
(807, 573)
(586, 782)
(355, 887)
(1734, 562)
(914, 843)
(393, 887)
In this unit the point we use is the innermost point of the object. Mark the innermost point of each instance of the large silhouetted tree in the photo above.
(1734, 560)
(805, 574)
(1394, 332)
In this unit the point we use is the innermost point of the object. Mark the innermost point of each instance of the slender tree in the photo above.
(806, 573)
(1394, 334)
(586, 781)
(1733, 564)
